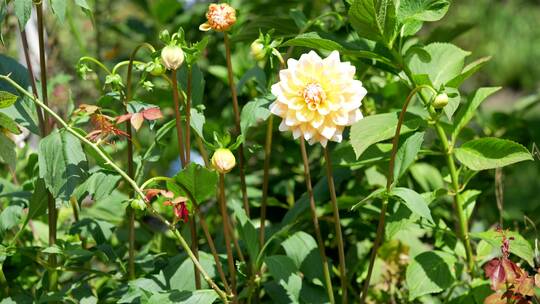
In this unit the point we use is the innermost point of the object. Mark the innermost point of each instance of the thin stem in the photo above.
(389, 183)
(195, 249)
(188, 114)
(126, 177)
(131, 166)
(339, 235)
(178, 119)
(51, 204)
(97, 62)
(226, 233)
(266, 169)
(236, 109)
(318, 235)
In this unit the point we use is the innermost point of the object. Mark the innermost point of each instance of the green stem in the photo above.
(236, 109)
(318, 235)
(389, 184)
(188, 114)
(266, 169)
(97, 62)
(226, 233)
(126, 177)
(179, 132)
(337, 223)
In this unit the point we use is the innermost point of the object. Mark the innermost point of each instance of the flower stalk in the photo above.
(227, 233)
(337, 223)
(236, 109)
(130, 181)
(318, 235)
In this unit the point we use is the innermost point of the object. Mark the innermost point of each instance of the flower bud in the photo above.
(440, 101)
(137, 204)
(172, 57)
(157, 68)
(220, 17)
(257, 50)
(223, 160)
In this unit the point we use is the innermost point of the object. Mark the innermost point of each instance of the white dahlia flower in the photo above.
(317, 98)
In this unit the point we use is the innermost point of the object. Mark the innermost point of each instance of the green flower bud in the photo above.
(257, 50)
(223, 160)
(157, 68)
(440, 101)
(137, 204)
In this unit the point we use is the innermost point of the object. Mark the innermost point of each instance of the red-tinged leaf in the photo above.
(524, 286)
(151, 193)
(180, 199)
(167, 194)
(496, 298)
(122, 118)
(496, 273)
(152, 113)
(511, 270)
(137, 120)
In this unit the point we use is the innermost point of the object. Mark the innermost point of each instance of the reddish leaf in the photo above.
(496, 273)
(122, 118)
(524, 286)
(152, 113)
(496, 298)
(136, 120)
(151, 193)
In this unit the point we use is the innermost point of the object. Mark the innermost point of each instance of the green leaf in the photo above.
(406, 154)
(283, 270)
(454, 99)
(427, 176)
(198, 180)
(379, 193)
(23, 10)
(59, 9)
(303, 250)
(375, 128)
(62, 163)
(179, 272)
(38, 201)
(466, 113)
(430, 272)
(248, 232)
(83, 4)
(253, 112)
(9, 124)
(9, 218)
(468, 71)
(7, 151)
(440, 61)
(99, 184)
(197, 122)
(414, 201)
(204, 296)
(490, 152)
(7, 99)
(518, 245)
(374, 20)
(422, 10)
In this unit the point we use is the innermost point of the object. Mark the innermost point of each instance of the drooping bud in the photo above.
(172, 57)
(220, 17)
(440, 101)
(223, 160)
(257, 50)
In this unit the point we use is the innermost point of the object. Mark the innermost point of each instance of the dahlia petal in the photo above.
(283, 127)
(304, 115)
(296, 132)
(317, 121)
(328, 131)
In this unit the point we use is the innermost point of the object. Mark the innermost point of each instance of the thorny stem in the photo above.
(339, 235)
(236, 109)
(226, 233)
(389, 183)
(51, 204)
(318, 235)
(126, 177)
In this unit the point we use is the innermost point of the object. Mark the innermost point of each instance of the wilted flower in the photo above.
(223, 160)
(220, 18)
(172, 57)
(317, 98)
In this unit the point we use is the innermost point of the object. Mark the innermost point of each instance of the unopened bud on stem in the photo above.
(223, 160)
(440, 101)
(172, 57)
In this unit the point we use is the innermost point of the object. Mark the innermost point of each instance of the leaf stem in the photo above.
(236, 109)
(389, 184)
(226, 233)
(318, 235)
(337, 223)
(125, 176)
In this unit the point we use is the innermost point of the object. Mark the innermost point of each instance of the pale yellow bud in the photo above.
(172, 57)
(223, 160)
(440, 101)
(257, 50)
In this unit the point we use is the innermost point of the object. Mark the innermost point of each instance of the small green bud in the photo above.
(223, 160)
(440, 101)
(257, 50)
(156, 68)
(137, 204)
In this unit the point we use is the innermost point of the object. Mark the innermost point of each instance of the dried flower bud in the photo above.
(440, 101)
(220, 18)
(223, 160)
(172, 57)
(257, 50)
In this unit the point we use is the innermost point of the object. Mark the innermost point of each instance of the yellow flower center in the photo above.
(313, 95)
